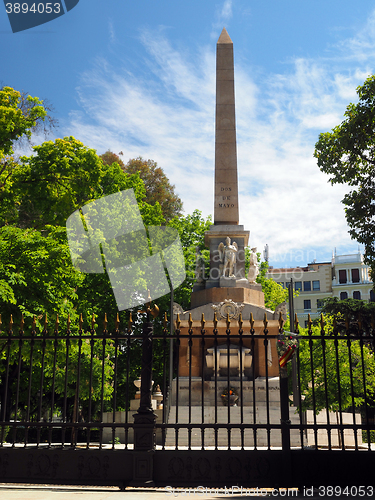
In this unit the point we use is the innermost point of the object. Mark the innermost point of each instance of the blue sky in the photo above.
(139, 77)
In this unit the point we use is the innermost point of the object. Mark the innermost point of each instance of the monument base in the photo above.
(251, 295)
(245, 411)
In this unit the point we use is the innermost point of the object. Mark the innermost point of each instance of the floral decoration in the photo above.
(286, 347)
(230, 395)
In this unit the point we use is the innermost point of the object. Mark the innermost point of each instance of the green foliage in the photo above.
(350, 315)
(347, 155)
(274, 293)
(191, 229)
(20, 115)
(17, 118)
(36, 275)
(333, 365)
(158, 188)
(61, 177)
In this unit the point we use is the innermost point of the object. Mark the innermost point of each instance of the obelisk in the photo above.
(226, 211)
(226, 184)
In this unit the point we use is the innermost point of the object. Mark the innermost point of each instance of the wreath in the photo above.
(229, 395)
(286, 347)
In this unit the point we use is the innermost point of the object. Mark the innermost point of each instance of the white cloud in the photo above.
(226, 11)
(111, 30)
(168, 116)
(223, 15)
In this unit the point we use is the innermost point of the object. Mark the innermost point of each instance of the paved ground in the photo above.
(47, 492)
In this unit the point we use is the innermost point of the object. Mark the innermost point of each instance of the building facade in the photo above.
(345, 276)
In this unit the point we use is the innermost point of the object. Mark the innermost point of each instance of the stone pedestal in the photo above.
(212, 238)
(265, 359)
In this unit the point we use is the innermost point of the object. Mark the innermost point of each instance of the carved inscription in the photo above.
(226, 198)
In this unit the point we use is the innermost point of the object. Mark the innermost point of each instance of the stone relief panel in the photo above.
(228, 307)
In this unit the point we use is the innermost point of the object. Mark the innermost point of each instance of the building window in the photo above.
(316, 285)
(355, 275)
(342, 276)
(307, 286)
(357, 295)
(298, 285)
(343, 295)
(307, 305)
(372, 296)
(319, 303)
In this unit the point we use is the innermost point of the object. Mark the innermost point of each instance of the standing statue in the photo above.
(228, 254)
(253, 269)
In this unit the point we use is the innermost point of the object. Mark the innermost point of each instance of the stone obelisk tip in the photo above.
(224, 37)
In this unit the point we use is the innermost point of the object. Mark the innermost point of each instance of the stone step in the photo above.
(223, 440)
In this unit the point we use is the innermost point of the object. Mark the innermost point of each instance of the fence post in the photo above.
(284, 407)
(284, 412)
(144, 419)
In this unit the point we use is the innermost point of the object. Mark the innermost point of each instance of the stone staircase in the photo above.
(220, 415)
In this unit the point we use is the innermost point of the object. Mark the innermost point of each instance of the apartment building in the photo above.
(345, 276)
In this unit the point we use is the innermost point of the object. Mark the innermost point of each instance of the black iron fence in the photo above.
(70, 411)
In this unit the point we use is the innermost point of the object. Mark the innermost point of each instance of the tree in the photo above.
(108, 158)
(20, 116)
(158, 187)
(191, 229)
(350, 315)
(347, 154)
(333, 365)
(36, 275)
(274, 293)
(61, 177)
(36, 272)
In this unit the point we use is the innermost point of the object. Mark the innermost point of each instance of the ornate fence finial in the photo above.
(309, 322)
(203, 322)
(117, 321)
(215, 321)
(228, 321)
(240, 322)
(281, 321)
(154, 311)
(33, 326)
(80, 321)
(45, 322)
(251, 321)
(130, 322)
(178, 322)
(57, 322)
(190, 322)
(93, 321)
(322, 322)
(11, 323)
(22, 322)
(296, 323)
(105, 322)
(165, 322)
(265, 321)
